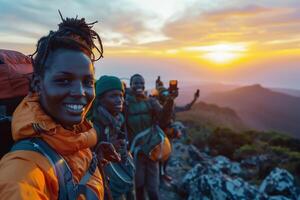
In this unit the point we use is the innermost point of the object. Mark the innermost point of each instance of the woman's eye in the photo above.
(89, 82)
(64, 81)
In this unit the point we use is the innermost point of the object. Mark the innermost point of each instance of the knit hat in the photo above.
(108, 83)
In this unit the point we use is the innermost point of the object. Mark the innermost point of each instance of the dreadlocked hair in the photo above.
(72, 33)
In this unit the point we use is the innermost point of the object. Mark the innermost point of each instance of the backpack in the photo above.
(121, 176)
(68, 189)
(153, 143)
(15, 75)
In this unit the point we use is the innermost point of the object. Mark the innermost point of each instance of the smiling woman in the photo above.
(52, 158)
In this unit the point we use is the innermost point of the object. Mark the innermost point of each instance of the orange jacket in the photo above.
(28, 174)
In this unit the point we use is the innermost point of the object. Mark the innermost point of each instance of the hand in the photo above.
(158, 79)
(158, 82)
(197, 94)
(174, 94)
(106, 151)
(119, 143)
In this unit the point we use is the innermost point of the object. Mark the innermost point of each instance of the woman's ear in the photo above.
(35, 84)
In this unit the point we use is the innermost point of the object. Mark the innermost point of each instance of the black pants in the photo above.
(146, 178)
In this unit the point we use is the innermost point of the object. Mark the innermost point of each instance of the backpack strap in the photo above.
(91, 170)
(68, 190)
(82, 187)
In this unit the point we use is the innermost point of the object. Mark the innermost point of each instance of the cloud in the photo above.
(240, 24)
(120, 21)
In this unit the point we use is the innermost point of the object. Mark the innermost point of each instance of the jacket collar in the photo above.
(29, 120)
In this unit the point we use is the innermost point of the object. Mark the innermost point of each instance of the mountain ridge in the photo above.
(262, 108)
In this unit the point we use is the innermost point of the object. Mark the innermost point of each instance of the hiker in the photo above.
(52, 158)
(162, 94)
(174, 130)
(143, 115)
(15, 74)
(107, 118)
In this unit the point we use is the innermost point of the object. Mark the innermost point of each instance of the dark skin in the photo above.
(138, 85)
(113, 101)
(66, 89)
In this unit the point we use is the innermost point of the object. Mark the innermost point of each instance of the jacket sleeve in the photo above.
(185, 107)
(163, 113)
(22, 179)
(182, 108)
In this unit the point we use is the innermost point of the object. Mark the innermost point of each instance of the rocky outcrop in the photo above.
(198, 176)
(204, 182)
(280, 183)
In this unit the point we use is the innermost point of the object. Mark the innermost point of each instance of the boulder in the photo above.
(204, 182)
(198, 176)
(279, 184)
(223, 164)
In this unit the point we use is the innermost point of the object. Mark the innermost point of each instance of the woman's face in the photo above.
(113, 101)
(138, 85)
(67, 87)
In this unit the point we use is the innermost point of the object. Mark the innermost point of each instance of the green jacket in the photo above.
(142, 113)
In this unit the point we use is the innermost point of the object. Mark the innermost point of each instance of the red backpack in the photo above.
(15, 75)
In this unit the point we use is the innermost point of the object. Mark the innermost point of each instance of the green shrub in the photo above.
(226, 141)
(279, 151)
(294, 156)
(246, 151)
(199, 136)
(285, 141)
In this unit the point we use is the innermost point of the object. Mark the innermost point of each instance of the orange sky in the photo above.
(235, 41)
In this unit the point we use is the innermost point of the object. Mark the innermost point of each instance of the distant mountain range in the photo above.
(186, 92)
(211, 116)
(291, 92)
(262, 108)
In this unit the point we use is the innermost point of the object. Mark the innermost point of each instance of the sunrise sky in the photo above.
(228, 41)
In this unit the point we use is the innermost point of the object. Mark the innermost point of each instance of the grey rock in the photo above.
(199, 176)
(204, 182)
(280, 182)
(226, 166)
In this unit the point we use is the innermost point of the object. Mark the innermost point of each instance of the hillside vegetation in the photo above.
(221, 132)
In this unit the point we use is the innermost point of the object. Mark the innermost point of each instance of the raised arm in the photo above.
(163, 113)
(189, 105)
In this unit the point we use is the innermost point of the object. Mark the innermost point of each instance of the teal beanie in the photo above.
(108, 83)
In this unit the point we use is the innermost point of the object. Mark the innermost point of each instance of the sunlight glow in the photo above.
(221, 57)
(220, 53)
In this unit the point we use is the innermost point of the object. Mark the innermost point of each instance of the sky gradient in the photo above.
(236, 41)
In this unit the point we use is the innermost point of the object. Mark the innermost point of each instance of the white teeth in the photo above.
(75, 107)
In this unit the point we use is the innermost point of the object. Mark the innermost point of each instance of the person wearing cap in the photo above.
(108, 121)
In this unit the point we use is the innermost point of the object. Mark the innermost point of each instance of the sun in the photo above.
(221, 57)
(220, 53)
